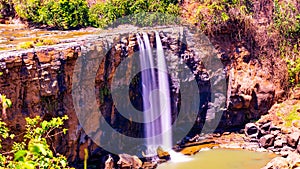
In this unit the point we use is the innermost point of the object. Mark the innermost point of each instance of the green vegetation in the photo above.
(105, 13)
(69, 14)
(25, 45)
(6, 8)
(291, 116)
(286, 18)
(213, 15)
(34, 151)
(294, 71)
(37, 42)
(62, 14)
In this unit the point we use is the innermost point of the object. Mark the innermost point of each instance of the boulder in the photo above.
(265, 128)
(162, 154)
(267, 140)
(293, 159)
(293, 138)
(109, 163)
(277, 163)
(286, 150)
(251, 130)
(127, 160)
(279, 143)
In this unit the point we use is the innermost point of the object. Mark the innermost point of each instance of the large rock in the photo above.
(251, 130)
(127, 160)
(277, 163)
(265, 128)
(162, 154)
(293, 138)
(279, 143)
(267, 140)
(109, 163)
(294, 160)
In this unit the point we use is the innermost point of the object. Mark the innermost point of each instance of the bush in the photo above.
(142, 12)
(213, 15)
(294, 71)
(62, 14)
(286, 18)
(33, 151)
(6, 8)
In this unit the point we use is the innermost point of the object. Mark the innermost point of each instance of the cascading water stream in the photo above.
(164, 96)
(156, 95)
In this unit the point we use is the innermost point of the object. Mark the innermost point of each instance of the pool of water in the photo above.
(222, 159)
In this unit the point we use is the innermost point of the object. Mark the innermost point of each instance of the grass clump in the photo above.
(290, 116)
(37, 42)
(25, 45)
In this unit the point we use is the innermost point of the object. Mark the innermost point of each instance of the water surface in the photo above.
(222, 159)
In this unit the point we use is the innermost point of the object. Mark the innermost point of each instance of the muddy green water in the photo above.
(222, 159)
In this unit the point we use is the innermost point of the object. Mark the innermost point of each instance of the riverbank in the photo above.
(277, 133)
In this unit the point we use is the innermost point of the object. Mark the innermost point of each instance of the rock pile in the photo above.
(281, 140)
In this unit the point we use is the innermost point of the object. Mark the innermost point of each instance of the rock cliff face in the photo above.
(39, 82)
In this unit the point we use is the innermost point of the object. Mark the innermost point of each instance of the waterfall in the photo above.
(156, 95)
(164, 97)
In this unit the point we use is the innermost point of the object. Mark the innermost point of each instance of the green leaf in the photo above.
(8, 102)
(44, 125)
(63, 163)
(19, 155)
(37, 148)
(65, 131)
(12, 136)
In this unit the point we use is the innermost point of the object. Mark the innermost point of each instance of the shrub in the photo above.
(286, 18)
(142, 12)
(213, 15)
(34, 151)
(62, 14)
(6, 8)
(294, 71)
(28, 9)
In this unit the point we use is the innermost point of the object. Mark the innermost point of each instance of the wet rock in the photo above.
(236, 102)
(163, 154)
(267, 140)
(246, 100)
(279, 143)
(251, 130)
(293, 138)
(296, 123)
(293, 159)
(285, 151)
(264, 129)
(127, 160)
(286, 130)
(275, 130)
(109, 163)
(277, 163)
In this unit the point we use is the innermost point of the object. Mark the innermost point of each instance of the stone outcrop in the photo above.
(39, 82)
(291, 161)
